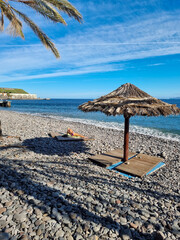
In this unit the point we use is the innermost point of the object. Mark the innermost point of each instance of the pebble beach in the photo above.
(51, 190)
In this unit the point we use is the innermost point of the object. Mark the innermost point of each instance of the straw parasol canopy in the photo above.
(129, 100)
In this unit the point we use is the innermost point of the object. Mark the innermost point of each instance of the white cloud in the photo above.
(101, 48)
(155, 64)
(79, 71)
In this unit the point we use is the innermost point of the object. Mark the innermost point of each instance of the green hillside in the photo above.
(12, 90)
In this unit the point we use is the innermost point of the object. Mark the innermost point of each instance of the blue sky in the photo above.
(120, 41)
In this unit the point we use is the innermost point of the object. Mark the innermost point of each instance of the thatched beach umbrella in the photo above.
(128, 100)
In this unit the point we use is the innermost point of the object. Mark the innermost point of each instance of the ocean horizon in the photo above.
(67, 109)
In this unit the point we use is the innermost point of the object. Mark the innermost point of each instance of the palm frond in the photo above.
(41, 35)
(15, 27)
(2, 21)
(67, 7)
(49, 9)
(45, 9)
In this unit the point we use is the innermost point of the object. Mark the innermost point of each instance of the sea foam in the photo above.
(119, 126)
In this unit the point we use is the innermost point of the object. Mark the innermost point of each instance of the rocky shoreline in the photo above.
(50, 190)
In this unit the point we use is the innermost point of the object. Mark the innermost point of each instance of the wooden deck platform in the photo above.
(137, 165)
(109, 158)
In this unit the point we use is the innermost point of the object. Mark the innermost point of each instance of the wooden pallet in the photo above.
(109, 158)
(139, 165)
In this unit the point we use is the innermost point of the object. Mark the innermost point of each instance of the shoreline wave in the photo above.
(114, 125)
(153, 132)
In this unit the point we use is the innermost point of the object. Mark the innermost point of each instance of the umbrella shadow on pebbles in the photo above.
(50, 146)
(54, 204)
(89, 175)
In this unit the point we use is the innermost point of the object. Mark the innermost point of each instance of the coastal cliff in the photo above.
(22, 96)
(14, 93)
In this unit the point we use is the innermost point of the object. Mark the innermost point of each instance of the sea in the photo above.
(67, 109)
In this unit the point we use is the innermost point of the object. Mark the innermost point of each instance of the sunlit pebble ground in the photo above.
(50, 190)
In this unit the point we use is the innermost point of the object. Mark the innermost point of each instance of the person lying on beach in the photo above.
(73, 134)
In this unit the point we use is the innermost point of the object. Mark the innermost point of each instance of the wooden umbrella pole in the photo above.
(126, 139)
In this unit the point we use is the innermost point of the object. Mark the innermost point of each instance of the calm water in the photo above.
(165, 127)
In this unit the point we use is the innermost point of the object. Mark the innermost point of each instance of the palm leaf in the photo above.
(67, 7)
(47, 8)
(15, 27)
(2, 21)
(42, 36)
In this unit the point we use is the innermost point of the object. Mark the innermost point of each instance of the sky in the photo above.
(119, 41)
